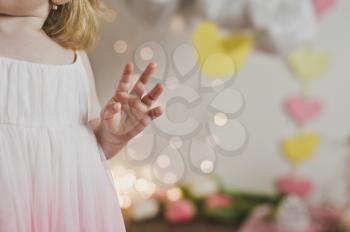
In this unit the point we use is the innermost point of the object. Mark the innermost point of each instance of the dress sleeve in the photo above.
(94, 103)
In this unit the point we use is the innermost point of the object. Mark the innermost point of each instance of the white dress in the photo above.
(52, 172)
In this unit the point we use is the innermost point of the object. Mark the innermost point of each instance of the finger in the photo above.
(139, 87)
(155, 112)
(123, 83)
(110, 110)
(153, 95)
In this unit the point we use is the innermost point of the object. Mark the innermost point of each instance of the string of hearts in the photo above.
(307, 65)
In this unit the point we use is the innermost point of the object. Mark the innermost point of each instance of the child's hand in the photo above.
(134, 109)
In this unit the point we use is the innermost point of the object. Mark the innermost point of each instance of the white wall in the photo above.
(265, 82)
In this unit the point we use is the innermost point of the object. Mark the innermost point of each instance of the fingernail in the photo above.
(154, 65)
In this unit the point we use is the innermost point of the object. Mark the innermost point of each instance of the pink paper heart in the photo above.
(294, 186)
(322, 6)
(303, 110)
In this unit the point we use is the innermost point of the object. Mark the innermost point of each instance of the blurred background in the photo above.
(256, 131)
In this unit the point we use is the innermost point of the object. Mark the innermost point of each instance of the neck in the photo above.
(14, 25)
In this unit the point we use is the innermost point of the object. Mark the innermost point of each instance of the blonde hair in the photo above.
(75, 25)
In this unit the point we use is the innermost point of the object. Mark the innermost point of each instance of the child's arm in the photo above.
(135, 109)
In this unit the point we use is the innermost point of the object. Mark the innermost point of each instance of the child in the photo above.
(52, 178)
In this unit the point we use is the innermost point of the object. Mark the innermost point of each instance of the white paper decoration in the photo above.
(293, 214)
(228, 13)
(153, 11)
(283, 25)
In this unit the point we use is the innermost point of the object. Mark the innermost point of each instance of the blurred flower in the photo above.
(294, 186)
(174, 194)
(179, 212)
(144, 209)
(203, 187)
(218, 201)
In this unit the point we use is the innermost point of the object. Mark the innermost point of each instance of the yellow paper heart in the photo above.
(220, 57)
(308, 64)
(300, 148)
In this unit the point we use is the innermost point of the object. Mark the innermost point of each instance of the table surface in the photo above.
(158, 226)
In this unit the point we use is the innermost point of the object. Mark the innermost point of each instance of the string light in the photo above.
(207, 166)
(125, 202)
(174, 194)
(163, 161)
(141, 185)
(127, 182)
(146, 53)
(129, 188)
(220, 119)
(120, 46)
(149, 191)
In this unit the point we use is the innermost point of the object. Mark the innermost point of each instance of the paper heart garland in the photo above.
(323, 6)
(220, 57)
(302, 110)
(300, 148)
(308, 64)
(292, 185)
